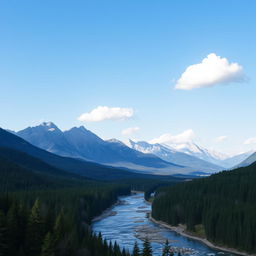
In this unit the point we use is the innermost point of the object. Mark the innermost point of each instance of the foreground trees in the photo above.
(166, 249)
(136, 250)
(55, 223)
(147, 249)
(223, 206)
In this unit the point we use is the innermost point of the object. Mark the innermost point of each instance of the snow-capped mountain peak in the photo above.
(174, 154)
(48, 124)
(193, 148)
(115, 141)
(189, 148)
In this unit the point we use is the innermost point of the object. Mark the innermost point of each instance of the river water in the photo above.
(128, 222)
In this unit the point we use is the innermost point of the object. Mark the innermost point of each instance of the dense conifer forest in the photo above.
(45, 211)
(222, 205)
(54, 222)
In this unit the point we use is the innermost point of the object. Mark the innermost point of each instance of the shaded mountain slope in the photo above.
(71, 165)
(79, 142)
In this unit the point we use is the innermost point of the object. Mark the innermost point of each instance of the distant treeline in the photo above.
(225, 204)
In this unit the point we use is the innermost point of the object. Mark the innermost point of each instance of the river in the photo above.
(127, 222)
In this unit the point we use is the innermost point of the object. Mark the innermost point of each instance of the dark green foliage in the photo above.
(48, 214)
(34, 236)
(27, 229)
(59, 233)
(3, 234)
(136, 250)
(166, 249)
(147, 249)
(47, 211)
(48, 247)
(225, 204)
(13, 230)
(16, 177)
(124, 253)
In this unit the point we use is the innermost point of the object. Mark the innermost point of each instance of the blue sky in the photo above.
(60, 59)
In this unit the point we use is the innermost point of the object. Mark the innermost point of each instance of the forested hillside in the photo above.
(45, 211)
(225, 204)
(54, 222)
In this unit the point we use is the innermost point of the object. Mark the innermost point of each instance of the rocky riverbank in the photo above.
(181, 230)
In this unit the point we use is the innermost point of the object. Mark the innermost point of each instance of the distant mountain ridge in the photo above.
(248, 161)
(88, 169)
(47, 136)
(78, 142)
(174, 156)
(211, 156)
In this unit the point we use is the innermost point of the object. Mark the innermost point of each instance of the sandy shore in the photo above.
(108, 212)
(181, 230)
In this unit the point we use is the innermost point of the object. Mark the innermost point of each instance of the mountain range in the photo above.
(174, 156)
(81, 143)
(190, 154)
(10, 143)
(143, 157)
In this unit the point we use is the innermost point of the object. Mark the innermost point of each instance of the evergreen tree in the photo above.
(123, 252)
(116, 248)
(22, 222)
(34, 236)
(105, 245)
(166, 249)
(136, 249)
(3, 242)
(48, 245)
(110, 249)
(100, 238)
(147, 249)
(13, 230)
(59, 228)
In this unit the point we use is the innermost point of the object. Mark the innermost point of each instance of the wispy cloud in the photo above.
(130, 131)
(250, 141)
(102, 113)
(169, 138)
(221, 138)
(211, 71)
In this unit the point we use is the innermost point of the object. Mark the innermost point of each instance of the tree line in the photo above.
(224, 204)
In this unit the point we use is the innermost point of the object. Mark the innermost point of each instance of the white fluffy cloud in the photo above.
(130, 131)
(168, 138)
(250, 141)
(221, 138)
(211, 71)
(102, 113)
